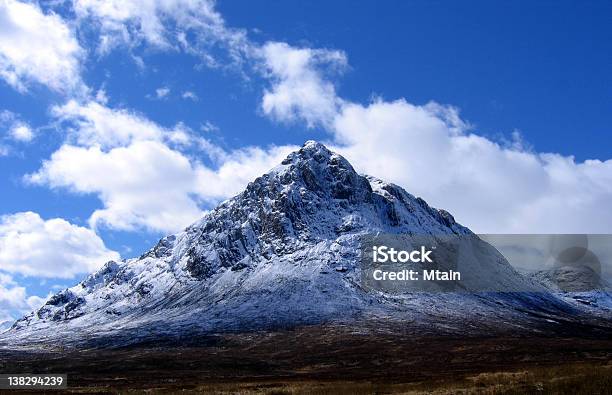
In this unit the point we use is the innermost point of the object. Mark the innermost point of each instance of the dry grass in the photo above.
(566, 379)
(321, 361)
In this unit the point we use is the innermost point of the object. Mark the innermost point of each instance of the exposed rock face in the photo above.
(283, 252)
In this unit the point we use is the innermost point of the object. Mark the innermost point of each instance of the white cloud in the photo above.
(17, 129)
(152, 186)
(162, 92)
(7, 116)
(15, 301)
(122, 21)
(101, 96)
(209, 127)
(37, 47)
(237, 168)
(191, 25)
(430, 150)
(11, 295)
(488, 187)
(15, 297)
(140, 171)
(93, 123)
(189, 95)
(299, 90)
(145, 184)
(32, 246)
(22, 132)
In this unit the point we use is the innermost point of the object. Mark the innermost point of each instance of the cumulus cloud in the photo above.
(32, 246)
(22, 132)
(17, 129)
(141, 171)
(93, 123)
(14, 301)
(101, 96)
(143, 184)
(190, 25)
(209, 127)
(162, 92)
(152, 186)
(37, 47)
(299, 91)
(431, 151)
(489, 187)
(236, 168)
(189, 95)
(428, 149)
(13, 296)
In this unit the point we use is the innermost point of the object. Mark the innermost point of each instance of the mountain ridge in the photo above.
(284, 252)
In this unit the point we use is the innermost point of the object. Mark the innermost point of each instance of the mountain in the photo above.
(283, 253)
(571, 279)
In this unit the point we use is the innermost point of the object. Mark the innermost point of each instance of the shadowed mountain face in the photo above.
(283, 253)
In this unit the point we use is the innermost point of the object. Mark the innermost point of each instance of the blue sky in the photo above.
(123, 121)
(540, 67)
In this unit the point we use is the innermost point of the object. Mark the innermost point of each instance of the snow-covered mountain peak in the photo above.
(284, 251)
(319, 170)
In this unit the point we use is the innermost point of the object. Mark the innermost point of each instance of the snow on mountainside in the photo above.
(283, 252)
